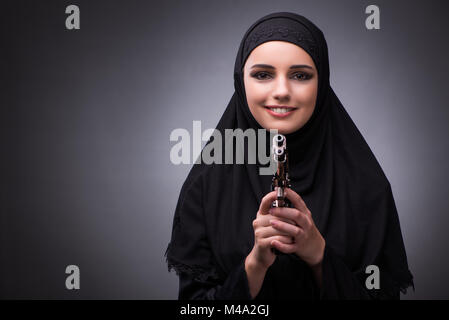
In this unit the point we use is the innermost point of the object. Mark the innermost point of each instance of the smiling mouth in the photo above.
(280, 111)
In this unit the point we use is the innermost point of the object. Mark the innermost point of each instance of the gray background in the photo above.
(87, 115)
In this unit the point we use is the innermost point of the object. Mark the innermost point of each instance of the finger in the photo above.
(287, 228)
(286, 239)
(283, 239)
(283, 247)
(292, 214)
(266, 202)
(282, 219)
(264, 219)
(296, 200)
(266, 243)
(267, 232)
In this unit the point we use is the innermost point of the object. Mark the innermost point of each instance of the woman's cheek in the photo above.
(258, 93)
(307, 97)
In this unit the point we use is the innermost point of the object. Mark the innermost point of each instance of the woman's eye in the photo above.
(261, 75)
(301, 76)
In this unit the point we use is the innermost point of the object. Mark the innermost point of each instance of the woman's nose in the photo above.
(281, 90)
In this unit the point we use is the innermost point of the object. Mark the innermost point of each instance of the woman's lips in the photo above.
(272, 110)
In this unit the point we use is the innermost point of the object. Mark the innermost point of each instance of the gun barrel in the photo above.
(280, 177)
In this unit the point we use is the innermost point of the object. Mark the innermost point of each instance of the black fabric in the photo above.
(331, 167)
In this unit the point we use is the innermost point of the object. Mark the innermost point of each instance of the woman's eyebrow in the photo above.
(291, 67)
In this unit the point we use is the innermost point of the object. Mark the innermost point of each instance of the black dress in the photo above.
(289, 278)
(331, 167)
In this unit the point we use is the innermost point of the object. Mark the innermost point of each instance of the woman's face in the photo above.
(281, 84)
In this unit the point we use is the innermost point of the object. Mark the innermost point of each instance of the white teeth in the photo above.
(281, 110)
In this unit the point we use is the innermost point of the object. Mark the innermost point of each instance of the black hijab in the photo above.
(331, 167)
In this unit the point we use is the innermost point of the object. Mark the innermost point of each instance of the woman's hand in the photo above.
(308, 243)
(261, 256)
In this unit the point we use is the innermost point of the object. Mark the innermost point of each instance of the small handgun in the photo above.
(280, 177)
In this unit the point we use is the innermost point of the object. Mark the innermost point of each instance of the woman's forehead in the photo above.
(279, 53)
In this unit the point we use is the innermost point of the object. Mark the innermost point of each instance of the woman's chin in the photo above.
(283, 129)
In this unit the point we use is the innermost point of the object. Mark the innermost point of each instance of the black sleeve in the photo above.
(339, 282)
(235, 287)
(386, 249)
(190, 254)
(288, 278)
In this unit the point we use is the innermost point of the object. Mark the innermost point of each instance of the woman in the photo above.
(343, 217)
